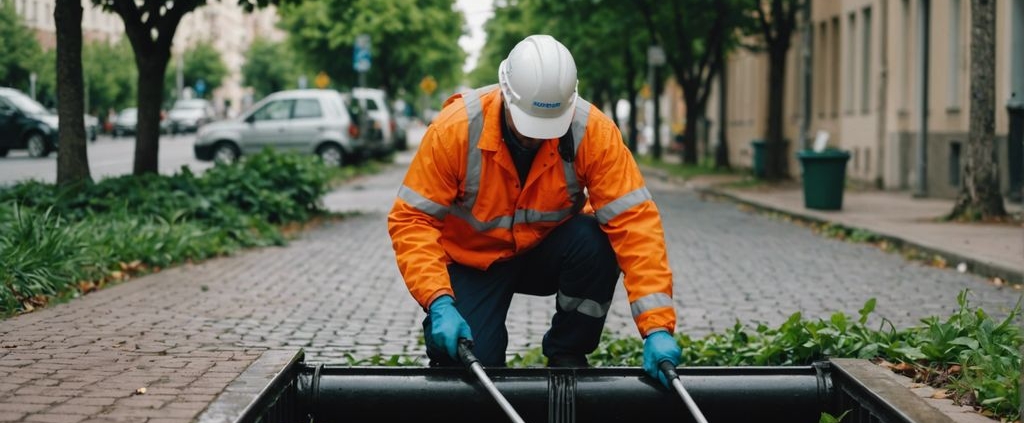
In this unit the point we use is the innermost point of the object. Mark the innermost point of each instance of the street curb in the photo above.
(975, 266)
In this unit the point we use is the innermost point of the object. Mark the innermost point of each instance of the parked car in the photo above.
(92, 127)
(309, 120)
(189, 115)
(126, 121)
(381, 129)
(25, 124)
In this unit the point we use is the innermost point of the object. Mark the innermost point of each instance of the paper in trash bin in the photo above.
(820, 141)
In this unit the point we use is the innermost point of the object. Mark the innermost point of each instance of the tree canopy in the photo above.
(199, 62)
(269, 67)
(21, 52)
(410, 39)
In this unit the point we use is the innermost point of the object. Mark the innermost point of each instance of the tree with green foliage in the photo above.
(200, 61)
(269, 67)
(776, 20)
(21, 51)
(691, 33)
(410, 39)
(109, 84)
(605, 43)
(150, 26)
(511, 22)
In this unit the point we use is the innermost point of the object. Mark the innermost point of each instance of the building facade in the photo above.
(868, 72)
(230, 30)
(96, 24)
(223, 24)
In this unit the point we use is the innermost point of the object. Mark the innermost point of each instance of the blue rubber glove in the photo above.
(447, 326)
(660, 346)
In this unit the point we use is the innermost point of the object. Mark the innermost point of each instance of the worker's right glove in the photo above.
(447, 326)
(660, 346)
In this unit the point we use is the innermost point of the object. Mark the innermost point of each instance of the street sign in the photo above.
(200, 87)
(322, 80)
(655, 55)
(428, 84)
(361, 54)
(303, 82)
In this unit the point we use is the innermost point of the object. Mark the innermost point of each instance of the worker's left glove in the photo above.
(660, 346)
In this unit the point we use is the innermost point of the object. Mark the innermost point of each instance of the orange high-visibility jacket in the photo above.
(461, 201)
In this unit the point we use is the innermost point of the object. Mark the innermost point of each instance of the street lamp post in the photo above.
(361, 64)
(655, 58)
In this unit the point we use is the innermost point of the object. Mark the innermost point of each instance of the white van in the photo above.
(380, 136)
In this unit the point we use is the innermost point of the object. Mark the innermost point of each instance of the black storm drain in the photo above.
(302, 392)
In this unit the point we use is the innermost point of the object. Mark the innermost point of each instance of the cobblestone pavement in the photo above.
(186, 332)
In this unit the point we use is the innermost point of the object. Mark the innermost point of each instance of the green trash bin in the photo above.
(824, 177)
(758, 165)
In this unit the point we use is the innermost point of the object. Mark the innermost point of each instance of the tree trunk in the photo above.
(689, 153)
(722, 149)
(694, 110)
(775, 154)
(979, 196)
(72, 159)
(150, 100)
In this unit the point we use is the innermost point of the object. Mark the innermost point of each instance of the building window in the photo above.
(856, 160)
(851, 55)
(865, 74)
(954, 163)
(953, 89)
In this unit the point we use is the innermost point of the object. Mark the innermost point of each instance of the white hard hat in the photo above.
(538, 82)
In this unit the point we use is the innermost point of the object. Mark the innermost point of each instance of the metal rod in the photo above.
(670, 372)
(467, 357)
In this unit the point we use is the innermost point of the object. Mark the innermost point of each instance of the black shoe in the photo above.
(568, 360)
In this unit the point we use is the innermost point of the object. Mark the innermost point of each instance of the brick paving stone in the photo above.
(186, 332)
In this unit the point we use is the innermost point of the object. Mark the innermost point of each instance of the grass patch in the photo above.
(687, 171)
(59, 243)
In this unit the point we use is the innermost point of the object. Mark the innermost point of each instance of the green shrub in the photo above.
(52, 238)
(969, 352)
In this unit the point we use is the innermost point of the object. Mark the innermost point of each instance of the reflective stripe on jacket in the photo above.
(461, 201)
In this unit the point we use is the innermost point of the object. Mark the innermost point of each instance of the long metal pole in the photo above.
(923, 23)
(467, 357)
(670, 372)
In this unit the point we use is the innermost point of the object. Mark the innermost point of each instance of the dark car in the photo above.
(25, 124)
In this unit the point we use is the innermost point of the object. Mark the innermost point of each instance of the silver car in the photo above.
(310, 121)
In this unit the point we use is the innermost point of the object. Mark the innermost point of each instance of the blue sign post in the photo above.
(200, 87)
(361, 54)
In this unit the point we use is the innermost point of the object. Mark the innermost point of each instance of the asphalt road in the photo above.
(108, 157)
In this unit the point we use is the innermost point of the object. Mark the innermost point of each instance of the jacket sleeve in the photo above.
(629, 217)
(417, 217)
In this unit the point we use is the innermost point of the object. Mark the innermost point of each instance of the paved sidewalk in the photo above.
(187, 332)
(991, 250)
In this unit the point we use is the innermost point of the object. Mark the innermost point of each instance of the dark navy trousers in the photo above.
(575, 262)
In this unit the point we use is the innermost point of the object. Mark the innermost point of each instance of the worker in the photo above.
(525, 188)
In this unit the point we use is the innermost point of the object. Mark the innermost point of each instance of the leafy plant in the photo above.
(56, 242)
